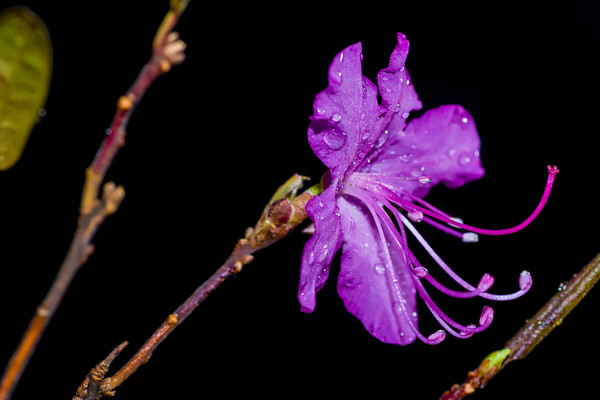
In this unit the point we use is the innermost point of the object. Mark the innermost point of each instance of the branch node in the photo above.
(126, 102)
(112, 196)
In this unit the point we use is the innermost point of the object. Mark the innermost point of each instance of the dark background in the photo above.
(214, 138)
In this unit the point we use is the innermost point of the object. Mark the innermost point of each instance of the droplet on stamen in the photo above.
(424, 180)
(470, 237)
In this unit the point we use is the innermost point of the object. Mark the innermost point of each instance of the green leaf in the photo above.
(25, 70)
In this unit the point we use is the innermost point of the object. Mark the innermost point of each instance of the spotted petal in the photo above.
(320, 249)
(442, 144)
(365, 282)
(340, 132)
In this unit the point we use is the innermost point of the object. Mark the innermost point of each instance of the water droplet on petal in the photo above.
(382, 139)
(334, 140)
(464, 159)
(336, 117)
(406, 157)
(380, 269)
(335, 77)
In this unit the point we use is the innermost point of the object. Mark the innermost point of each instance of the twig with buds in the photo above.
(168, 50)
(533, 332)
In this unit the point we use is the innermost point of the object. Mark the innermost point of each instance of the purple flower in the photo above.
(380, 168)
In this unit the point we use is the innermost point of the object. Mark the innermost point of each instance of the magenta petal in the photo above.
(320, 249)
(397, 91)
(340, 130)
(365, 283)
(442, 144)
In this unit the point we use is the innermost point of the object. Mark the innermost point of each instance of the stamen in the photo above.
(486, 282)
(443, 228)
(487, 315)
(437, 337)
(366, 198)
(524, 279)
(443, 319)
(552, 171)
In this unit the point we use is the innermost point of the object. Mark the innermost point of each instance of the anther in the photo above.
(485, 283)
(437, 336)
(487, 315)
(525, 281)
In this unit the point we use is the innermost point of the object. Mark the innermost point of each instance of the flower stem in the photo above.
(534, 331)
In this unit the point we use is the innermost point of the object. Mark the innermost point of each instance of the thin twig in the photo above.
(167, 51)
(90, 387)
(533, 332)
(284, 213)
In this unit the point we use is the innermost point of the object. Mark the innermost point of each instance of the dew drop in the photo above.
(406, 157)
(464, 159)
(335, 77)
(336, 117)
(334, 140)
(382, 139)
(380, 269)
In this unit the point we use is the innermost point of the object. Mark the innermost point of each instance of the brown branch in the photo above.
(533, 332)
(90, 387)
(167, 51)
(285, 212)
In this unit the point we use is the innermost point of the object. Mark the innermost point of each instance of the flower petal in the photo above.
(442, 144)
(365, 283)
(320, 249)
(398, 99)
(397, 92)
(343, 114)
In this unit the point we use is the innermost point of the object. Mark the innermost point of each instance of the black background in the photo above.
(214, 138)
